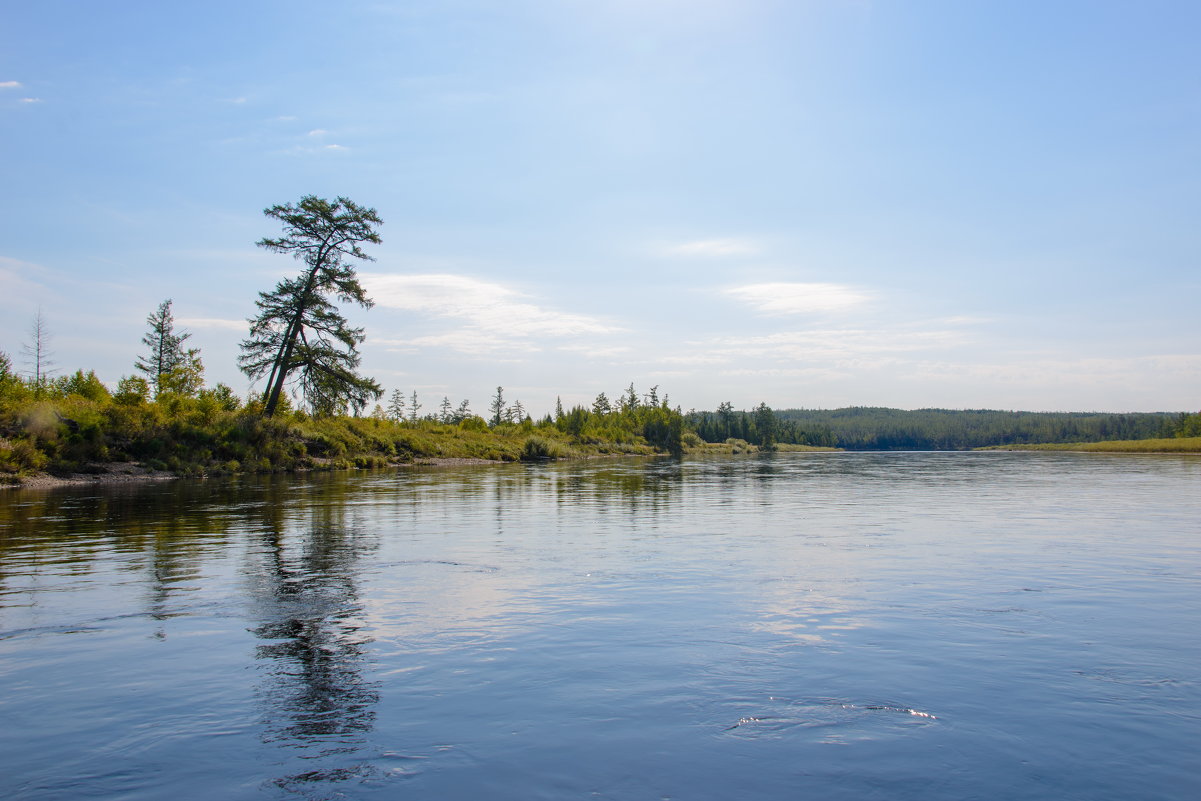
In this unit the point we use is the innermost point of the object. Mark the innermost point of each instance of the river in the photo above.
(793, 626)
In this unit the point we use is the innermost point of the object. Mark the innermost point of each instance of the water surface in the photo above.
(825, 626)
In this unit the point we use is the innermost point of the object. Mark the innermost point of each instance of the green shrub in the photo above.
(538, 449)
(474, 424)
(21, 457)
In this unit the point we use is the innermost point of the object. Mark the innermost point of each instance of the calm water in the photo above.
(825, 626)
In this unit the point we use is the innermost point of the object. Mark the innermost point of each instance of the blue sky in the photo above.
(819, 204)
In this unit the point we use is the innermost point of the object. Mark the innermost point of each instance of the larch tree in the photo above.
(396, 406)
(166, 353)
(497, 407)
(37, 353)
(414, 407)
(300, 335)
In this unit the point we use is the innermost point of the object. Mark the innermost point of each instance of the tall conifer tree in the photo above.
(166, 347)
(299, 334)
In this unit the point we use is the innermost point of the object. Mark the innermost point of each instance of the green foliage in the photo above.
(1189, 425)
(766, 426)
(541, 449)
(84, 385)
(1157, 445)
(186, 378)
(21, 457)
(13, 390)
(866, 428)
(632, 422)
(761, 426)
(223, 396)
(663, 429)
(474, 423)
(132, 390)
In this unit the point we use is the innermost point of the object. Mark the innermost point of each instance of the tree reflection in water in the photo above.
(314, 696)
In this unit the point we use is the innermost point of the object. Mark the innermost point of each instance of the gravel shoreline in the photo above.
(111, 473)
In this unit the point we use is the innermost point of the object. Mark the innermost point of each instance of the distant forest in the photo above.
(876, 428)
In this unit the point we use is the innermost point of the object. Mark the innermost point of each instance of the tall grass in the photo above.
(1169, 445)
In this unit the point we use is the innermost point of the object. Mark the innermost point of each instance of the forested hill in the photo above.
(874, 428)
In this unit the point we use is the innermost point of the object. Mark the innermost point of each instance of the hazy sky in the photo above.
(955, 204)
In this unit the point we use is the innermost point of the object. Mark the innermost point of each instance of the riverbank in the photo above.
(109, 473)
(1168, 445)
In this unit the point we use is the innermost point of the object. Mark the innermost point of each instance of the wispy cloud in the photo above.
(10, 84)
(598, 351)
(797, 298)
(1090, 371)
(712, 248)
(310, 150)
(213, 322)
(495, 316)
(839, 344)
(30, 100)
(318, 132)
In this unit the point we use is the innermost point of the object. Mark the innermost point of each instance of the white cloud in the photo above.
(10, 84)
(214, 322)
(597, 351)
(1054, 372)
(712, 248)
(798, 298)
(496, 316)
(318, 132)
(835, 344)
(30, 100)
(336, 147)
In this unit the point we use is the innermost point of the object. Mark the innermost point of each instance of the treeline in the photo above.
(631, 416)
(1186, 425)
(876, 428)
(761, 426)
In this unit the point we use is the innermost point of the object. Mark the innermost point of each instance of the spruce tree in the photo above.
(166, 352)
(396, 406)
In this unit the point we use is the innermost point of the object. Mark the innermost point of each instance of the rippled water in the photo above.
(808, 626)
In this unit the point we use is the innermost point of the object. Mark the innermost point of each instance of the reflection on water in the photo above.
(315, 696)
(823, 625)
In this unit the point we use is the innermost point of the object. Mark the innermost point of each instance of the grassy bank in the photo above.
(73, 437)
(1169, 445)
(80, 429)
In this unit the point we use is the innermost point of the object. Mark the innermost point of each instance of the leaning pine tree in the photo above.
(299, 335)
